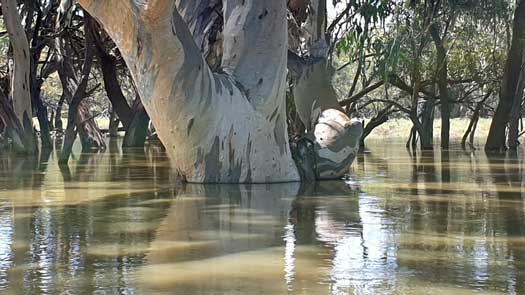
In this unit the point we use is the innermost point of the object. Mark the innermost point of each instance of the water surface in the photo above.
(113, 223)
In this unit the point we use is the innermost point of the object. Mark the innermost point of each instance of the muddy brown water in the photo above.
(112, 223)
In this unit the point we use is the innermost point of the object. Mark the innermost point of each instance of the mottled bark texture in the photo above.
(20, 91)
(216, 127)
(511, 75)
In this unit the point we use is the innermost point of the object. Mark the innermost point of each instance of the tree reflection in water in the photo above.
(433, 222)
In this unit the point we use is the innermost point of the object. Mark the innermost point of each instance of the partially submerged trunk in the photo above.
(78, 121)
(442, 81)
(378, 120)
(88, 131)
(10, 127)
(226, 127)
(36, 80)
(473, 124)
(138, 128)
(113, 125)
(515, 113)
(20, 88)
(426, 133)
(496, 137)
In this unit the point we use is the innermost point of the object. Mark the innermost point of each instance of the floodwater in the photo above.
(429, 223)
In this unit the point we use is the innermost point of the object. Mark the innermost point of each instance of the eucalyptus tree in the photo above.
(73, 55)
(428, 55)
(19, 82)
(506, 117)
(223, 126)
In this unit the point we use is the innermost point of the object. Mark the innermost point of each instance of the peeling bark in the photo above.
(223, 127)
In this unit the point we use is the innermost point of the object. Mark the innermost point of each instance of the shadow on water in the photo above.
(441, 222)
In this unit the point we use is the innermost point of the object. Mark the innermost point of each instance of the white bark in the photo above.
(20, 80)
(216, 127)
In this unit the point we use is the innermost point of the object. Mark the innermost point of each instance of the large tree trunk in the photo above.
(496, 137)
(228, 127)
(20, 91)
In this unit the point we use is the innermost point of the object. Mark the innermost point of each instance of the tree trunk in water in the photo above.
(113, 125)
(88, 131)
(78, 120)
(12, 129)
(442, 81)
(138, 129)
(108, 66)
(51, 122)
(20, 91)
(378, 120)
(515, 113)
(426, 133)
(90, 136)
(471, 130)
(496, 137)
(36, 83)
(59, 126)
(222, 127)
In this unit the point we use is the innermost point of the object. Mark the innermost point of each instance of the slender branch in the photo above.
(359, 95)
